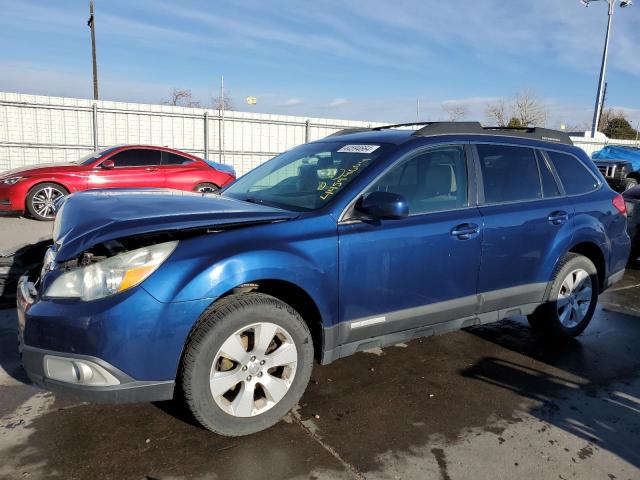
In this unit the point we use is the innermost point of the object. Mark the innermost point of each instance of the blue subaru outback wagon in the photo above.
(366, 238)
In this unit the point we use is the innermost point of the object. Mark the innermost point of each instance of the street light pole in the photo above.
(92, 24)
(603, 70)
(605, 53)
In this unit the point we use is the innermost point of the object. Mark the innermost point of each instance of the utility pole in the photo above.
(92, 25)
(221, 127)
(417, 110)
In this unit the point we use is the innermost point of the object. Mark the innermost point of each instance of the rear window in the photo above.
(174, 159)
(574, 175)
(509, 173)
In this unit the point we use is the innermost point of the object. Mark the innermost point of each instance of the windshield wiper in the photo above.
(260, 201)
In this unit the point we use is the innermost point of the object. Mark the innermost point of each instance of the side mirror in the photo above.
(384, 205)
(107, 164)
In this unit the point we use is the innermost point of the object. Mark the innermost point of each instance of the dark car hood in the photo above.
(88, 218)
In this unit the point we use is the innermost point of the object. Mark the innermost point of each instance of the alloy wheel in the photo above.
(43, 201)
(574, 298)
(253, 369)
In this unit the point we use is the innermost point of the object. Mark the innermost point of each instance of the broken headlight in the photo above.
(112, 275)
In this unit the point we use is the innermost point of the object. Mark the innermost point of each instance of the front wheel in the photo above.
(572, 299)
(246, 364)
(207, 188)
(41, 200)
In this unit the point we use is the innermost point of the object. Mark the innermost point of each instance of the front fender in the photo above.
(209, 266)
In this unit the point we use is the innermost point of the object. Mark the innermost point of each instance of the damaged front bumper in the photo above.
(120, 349)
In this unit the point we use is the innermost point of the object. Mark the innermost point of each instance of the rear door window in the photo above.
(136, 157)
(509, 173)
(575, 176)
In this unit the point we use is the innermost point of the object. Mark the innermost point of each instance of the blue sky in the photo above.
(358, 59)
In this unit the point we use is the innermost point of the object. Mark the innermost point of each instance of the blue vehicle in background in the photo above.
(363, 239)
(620, 166)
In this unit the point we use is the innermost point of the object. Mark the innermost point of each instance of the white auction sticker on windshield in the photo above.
(359, 149)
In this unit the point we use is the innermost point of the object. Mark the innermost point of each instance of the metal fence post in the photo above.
(206, 135)
(94, 109)
(306, 131)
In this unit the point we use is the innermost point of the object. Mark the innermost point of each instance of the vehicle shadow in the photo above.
(584, 386)
(595, 422)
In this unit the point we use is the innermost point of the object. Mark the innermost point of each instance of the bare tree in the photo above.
(181, 98)
(528, 108)
(455, 111)
(216, 102)
(497, 113)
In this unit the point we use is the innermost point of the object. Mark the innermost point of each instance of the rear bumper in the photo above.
(127, 391)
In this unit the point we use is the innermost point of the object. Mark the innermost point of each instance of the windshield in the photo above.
(306, 177)
(93, 156)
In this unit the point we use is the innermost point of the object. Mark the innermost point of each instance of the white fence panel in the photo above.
(39, 129)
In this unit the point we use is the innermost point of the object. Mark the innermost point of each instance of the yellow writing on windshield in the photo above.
(340, 177)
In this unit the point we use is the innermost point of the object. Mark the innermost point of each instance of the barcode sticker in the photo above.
(359, 149)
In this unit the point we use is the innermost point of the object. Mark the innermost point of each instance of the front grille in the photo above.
(607, 170)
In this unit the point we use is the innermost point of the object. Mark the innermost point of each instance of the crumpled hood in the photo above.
(88, 218)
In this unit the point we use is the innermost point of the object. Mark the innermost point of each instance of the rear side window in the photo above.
(432, 181)
(174, 159)
(136, 157)
(509, 173)
(575, 177)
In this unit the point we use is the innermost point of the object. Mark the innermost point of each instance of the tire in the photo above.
(206, 188)
(40, 200)
(629, 183)
(569, 309)
(243, 324)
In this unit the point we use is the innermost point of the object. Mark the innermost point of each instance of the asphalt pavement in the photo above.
(491, 402)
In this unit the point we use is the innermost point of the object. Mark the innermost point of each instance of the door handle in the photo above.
(151, 169)
(465, 231)
(558, 217)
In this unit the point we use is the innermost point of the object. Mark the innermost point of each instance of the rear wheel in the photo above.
(41, 200)
(206, 188)
(572, 300)
(246, 364)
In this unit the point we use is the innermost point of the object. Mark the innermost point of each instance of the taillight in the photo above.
(618, 202)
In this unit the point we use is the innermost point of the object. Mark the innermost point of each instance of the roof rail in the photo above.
(536, 133)
(347, 131)
(460, 128)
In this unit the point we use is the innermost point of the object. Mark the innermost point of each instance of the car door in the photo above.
(422, 270)
(180, 172)
(133, 168)
(526, 225)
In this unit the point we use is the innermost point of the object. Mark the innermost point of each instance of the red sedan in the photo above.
(36, 188)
